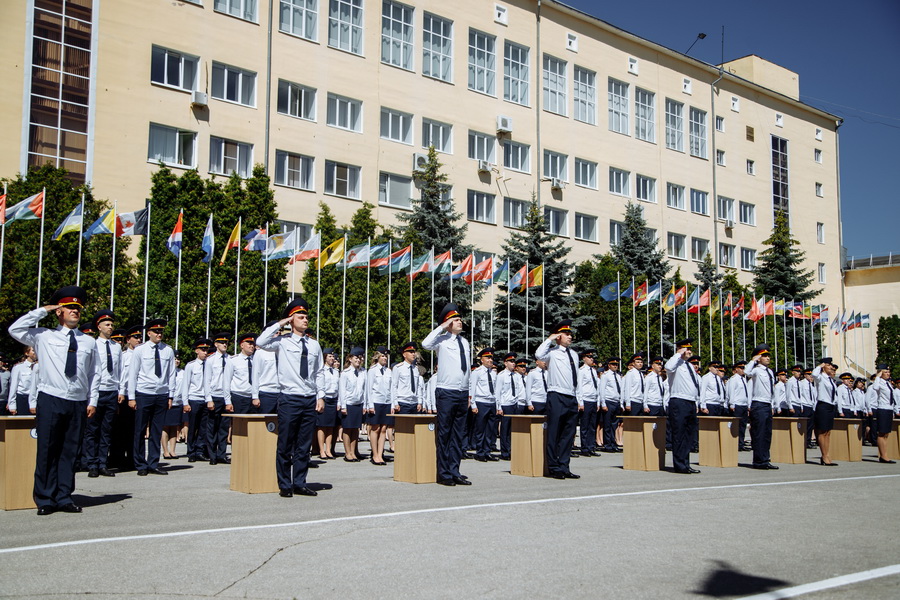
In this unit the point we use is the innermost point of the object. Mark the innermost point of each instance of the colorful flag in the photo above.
(105, 224)
(693, 300)
(535, 277)
(331, 255)
(713, 306)
(500, 275)
(256, 240)
(464, 268)
(234, 241)
(738, 307)
(704, 300)
(727, 305)
(517, 280)
(209, 240)
(629, 293)
(133, 223)
(865, 322)
(2, 209)
(822, 319)
(280, 245)
(378, 255)
(610, 291)
(669, 302)
(836, 324)
(640, 294)
(481, 271)
(174, 241)
(71, 223)
(397, 261)
(769, 309)
(754, 313)
(311, 249)
(358, 256)
(28, 209)
(652, 294)
(441, 264)
(422, 264)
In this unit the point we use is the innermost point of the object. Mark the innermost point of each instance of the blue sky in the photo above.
(846, 54)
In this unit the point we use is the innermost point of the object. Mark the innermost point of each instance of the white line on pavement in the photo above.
(825, 584)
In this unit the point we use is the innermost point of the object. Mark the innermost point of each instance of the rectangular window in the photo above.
(396, 126)
(481, 207)
(747, 213)
(618, 182)
(615, 232)
(344, 113)
(735, 104)
(294, 170)
(516, 156)
(437, 134)
(233, 84)
(780, 187)
(397, 34)
(650, 234)
(817, 155)
(481, 146)
(720, 124)
(675, 196)
(345, 25)
(242, 9)
(174, 69)
(482, 62)
(585, 227)
(585, 95)
(171, 146)
(618, 106)
(819, 191)
(514, 212)
(644, 115)
(750, 134)
(515, 73)
(341, 180)
(821, 272)
(720, 158)
(437, 47)
(726, 209)
(554, 85)
(296, 100)
(675, 245)
(699, 202)
(227, 157)
(699, 249)
(674, 125)
(300, 18)
(726, 255)
(748, 259)
(586, 173)
(751, 167)
(820, 233)
(556, 165)
(645, 188)
(556, 221)
(394, 190)
(698, 132)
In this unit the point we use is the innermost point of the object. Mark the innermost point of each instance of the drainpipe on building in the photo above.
(713, 160)
(837, 155)
(268, 89)
(539, 155)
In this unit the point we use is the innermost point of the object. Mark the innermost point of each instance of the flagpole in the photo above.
(344, 301)
(805, 348)
(661, 353)
(543, 299)
(775, 329)
(709, 320)
(390, 291)
(237, 295)
(112, 278)
(147, 261)
(699, 327)
(265, 266)
(687, 315)
(472, 295)
(431, 322)
(674, 320)
(508, 313)
(743, 332)
(451, 278)
(619, 308)
(647, 310)
(411, 254)
(721, 324)
(178, 298)
(80, 239)
(493, 268)
(209, 283)
(731, 321)
(526, 307)
(784, 335)
(368, 279)
(41, 247)
(3, 235)
(294, 266)
(319, 288)
(633, 318)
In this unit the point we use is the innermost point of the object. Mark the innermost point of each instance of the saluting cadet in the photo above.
(217, 402)
(483, 390)
(792, 389)
(633, 386)
(510, 389)
(21, 400)
(737, 390)
(562, 403)
(407, 385)
(846, 407)
(780, 402)
(451, 393)
(351, 399)
(588, 397)
(300, 377)
(327, 420)
(67, 385)
(98, 430)
(656, 389)
(195, 381)
(266, 374)
(684, 392)
(826, 406)
(536, 388)
(859, 397)
(378, 403)
(712, 391)
(241, 383)
(151, 384)
(762, 405)
(884, 407)
(610, 404)
(806, 388)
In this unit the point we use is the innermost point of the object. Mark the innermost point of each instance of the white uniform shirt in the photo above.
(633, 388)
(656, 390)
(352, 388)
(179, 388)
(536, 386)
(194, 382)
(884, 396)
(401, 387)
(588, 385)
(331, 377)
(142, 371)
(792, 389)
(508, 388)
(237, 377)
(845, 400)
(20, 383)
(109, 379)
(289, 351)
(611, 386)
(781, 401)
(454, 372)
(737, 390)
(807, 391)
(430, 401)
(712, 390)
(482, 386)
(826, 387)
(763, 383)
(562, 372)
(216, 365)
(265, 371)
(378, 385)
(127, 355)
(684, 383)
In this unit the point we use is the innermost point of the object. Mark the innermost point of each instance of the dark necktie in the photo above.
(574, 370)
(642, 383)
(382, 370)
(771, 381)
(693, 377)
(109, 365)
(833, 389)
(718, 389)
(618, 387)
(891, 392)
(544, 379)
(157, 365)
(746, 393)
(304, 359)
(512, 380)
(490, 382)
(659, 383)
(412, 378)
(356, 372)
(462, 355)
(593, 377)
(250, 370)
(72, 355)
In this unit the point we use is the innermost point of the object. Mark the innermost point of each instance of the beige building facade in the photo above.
(339, 99)
(872, 286)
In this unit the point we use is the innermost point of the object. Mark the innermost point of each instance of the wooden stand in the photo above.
(415, 458)
(528, 445)
(789, 440)
(254, 441)
(18, 452)
(644, 439)
(718, 441)
(893, 441)
(846, 440)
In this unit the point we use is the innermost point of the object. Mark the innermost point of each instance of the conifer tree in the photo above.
(779, 273)
(324, 287)
(637, 251)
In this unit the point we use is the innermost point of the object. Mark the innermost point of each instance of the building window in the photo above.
(341, 180)
(699, 249)
(818, 134)
(227, 157)
(674, 125)
(726, 209)
(686, 86)
(482, 62)
(644, 115)
(242, 9)
(394, 190)
(556, 165)
(233, 84)
(585, 95)
(397, 34)
(748, 259)
(779, 120)
(699, 202)
(780, 188)
(515, 73)
(516, 156)
(572, 42)
(556, 221)
(296, 100)
(820, 233)
(586, 173)
(344, 113)
(698, 132)
(172, 146)
(720, 158)
(514, 213)
(645, 188)
(618, 182)
(615, 232)
(650, 234)
(304, 231)
(300, 18)
(345, 25)
(819, 191)
(481, 146)
(554, 85)
(747, 213)
(726, 255)
(437, 134)
(751, 167)
(821, 272)
(481, 207)
(675, 245)
(294, 170)
(437, 47)
(817, 155)
(735, 104)
(675, 196)
(396, 126)
(720, 124)
(750, 134)
(174, 69)
(585, 227)
(618, 106)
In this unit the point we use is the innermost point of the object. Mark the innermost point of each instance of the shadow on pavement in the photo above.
(88, 501)
(724, 582)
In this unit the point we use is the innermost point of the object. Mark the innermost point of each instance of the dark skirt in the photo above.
(354, 417)
(174, 416)
(824, 417)
(883, 419)
(328, 417)
(382, 415)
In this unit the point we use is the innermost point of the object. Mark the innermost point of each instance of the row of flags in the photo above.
(32, 208)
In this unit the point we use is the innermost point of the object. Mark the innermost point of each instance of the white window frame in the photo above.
(397, 34)
(644, 115)
(645, 188)
(747, 213)
(821, 272)
(580, 221)
(443, 132)
(699, 202)
(299, 101)
(585, 173)
(699, 249)
(584, 95)
(345, 25)
(245, 84)
(675, 245)
(779, 120)
(515, 213)
(698, 132)
(304, 12)
(615, 232)
(720, 158)
(218, 159)
(820, 233)
(726, 255)
(516, 59)
(483, 50)
(166, 55)
(395, 190)
(675, 196)
(396, 126)
(726, 208)
(820, 190)
(342, 180)
(736, 104)
(674, 125)
(177, 142)
(555, 85)
(748, 259)
(480, 207)
(751, 167)
(817, 155)
(437, 47)
(720, 123)
(482, 146)
(556, 221)
(295, 170)
(556, 165)
(241, 9)
(516, 156)
(344, 113)
(619, 182)
(618, 94)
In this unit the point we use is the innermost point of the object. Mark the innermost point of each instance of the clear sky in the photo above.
(846, 53)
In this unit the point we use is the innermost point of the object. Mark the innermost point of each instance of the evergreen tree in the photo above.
(707, 275)
(364, 229)
(888, 343)
(324, 284)
(778, 273)
(638, 253)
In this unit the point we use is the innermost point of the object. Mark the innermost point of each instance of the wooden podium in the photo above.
(254, 441)
(18, 452)
(644, 439)
(789, 440)
(718, 441)
(528, 445)
(893, 441)
(846, 440)
(415, 456)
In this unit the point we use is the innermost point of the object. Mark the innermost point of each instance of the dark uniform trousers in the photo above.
(150, 409)
(760, 431)
(296, 426)
(656, 410)
(217, 430)
(610, 423)
(506, 428)
(471, 431)
(683, 416)
(60, 427)
(807, 412)
(742, 413)
(452, 408)
(589, 427)
(268, 403)
(243, 405)
(98, 430)
(715, 410)
(405, 408)
(485, 423)
(197, 429)
(121, 450)
(540, 408)
(562, 420)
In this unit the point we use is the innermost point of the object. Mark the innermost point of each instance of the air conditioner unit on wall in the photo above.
(199, 98)
(504, 124)
(484, 166)
(729, 223)
(419, 162)
(557, 184)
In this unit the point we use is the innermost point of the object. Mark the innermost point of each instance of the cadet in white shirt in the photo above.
(826, 406)
(846, 404)
(378, 403)
(121, 451)
(806, 388)
(536, 388)
(684, 394)
(241, 381)
(407, 385)
(483, 388)
(588, 397)
(510, 390)
(266, 373)
(762, 405)
(351, 400)
(21, 400)
(327, 420)
(656, 389)
(712, 390)
(792, 389)
(737, 391)
(98, 430)
(781, 402)
(633, 387)
(611, 404)
(884, 407)
(217, 402)
(195, 380)
(429, 392)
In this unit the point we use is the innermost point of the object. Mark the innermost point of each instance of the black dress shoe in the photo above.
(157, 471)
(213, 461)
(46, 510)
(93, 473)
(480, 458)
(106, 472)
(492, 458)
(305, 491)
(887, 461)
(461, 481)
(825, 464)
(379, 463)
(595, 453)
(447, 482)
(142, 472)
(70, 508)
(463, 476)
(226, 461)
(686, 471)
(691, 470)
(571, 475)
(193, 459)
(558, 475)
(286, 493)
(771, 467)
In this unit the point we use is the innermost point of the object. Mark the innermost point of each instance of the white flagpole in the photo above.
(431, 322)
(451, 277)
(493, 269)
(687, 315)
(764, 311)
(743, 333)
(344, 301)
(647, 309)
(775, 331)
(80, 239)
(472, 286)
(368, 279)
(411, 254)
(112, 278)
(178, 298)
(294, 265)
(3, 236)
(709, 319)
(525, 283)
(731, 320)
(237, 293)
(265, 266)
(805, 347)
(146, 264)
(661, 353)
(633, 318)
(208, 286)
(721, 324)
(508, 313)
(390, 292)
(619, 308)
(784, 334)
(543, 299)
(41, 248)
(319, 289)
